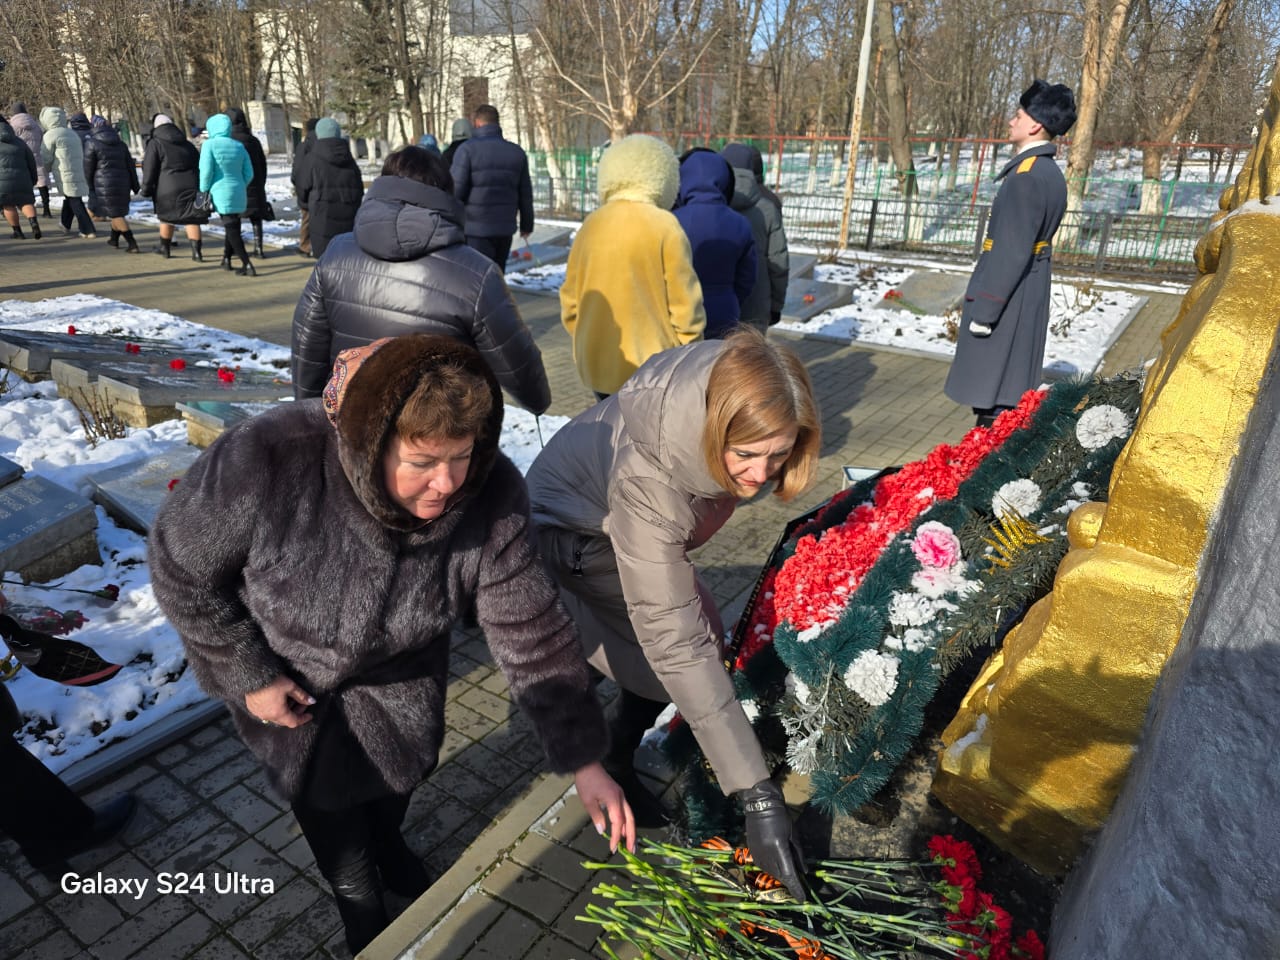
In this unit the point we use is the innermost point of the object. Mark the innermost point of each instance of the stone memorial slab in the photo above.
(801, 265)
(9, 471)
(142, 399)
(78, 372)
(133, 492)
(46, 531)
(930, 292)
(207, 419)
(544, 235)
(808, 298)
(536, 255)
(29, 353)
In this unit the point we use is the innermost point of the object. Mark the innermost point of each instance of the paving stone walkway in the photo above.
(491, 822)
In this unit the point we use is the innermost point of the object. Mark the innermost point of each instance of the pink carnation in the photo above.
(935, 545)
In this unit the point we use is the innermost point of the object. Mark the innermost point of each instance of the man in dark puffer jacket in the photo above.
(491, 177)
(322, 617)
(406, 268)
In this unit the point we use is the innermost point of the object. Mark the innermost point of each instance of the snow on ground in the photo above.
(1085, 315)
(43, 434)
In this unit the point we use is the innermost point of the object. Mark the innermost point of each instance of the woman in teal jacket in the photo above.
(225, 172)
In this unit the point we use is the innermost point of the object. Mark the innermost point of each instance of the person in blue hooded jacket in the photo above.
(225, 173)
(724, 251)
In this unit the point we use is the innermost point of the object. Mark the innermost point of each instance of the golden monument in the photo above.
(1042, 742)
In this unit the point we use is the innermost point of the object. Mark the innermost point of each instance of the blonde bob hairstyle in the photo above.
(757, 390)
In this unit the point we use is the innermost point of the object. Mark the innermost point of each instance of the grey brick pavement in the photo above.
(491, 823)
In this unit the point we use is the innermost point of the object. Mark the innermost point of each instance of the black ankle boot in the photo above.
(362, 912)
(196, 253)
(165, 249)
(257, 241)
(402, 872)
(115, 239)
(18, 234)
(247, 270)
(226, 262)
(132, 243)
(44, 202)
(35, 227)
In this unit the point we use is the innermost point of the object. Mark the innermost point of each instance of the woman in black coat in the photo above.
(257, 208)
(113, 178)
(17, 181)
(323, 617)
(171, 178)
(332, 188)
(406, 268)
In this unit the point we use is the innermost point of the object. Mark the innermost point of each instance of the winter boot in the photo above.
(115, 238)
(44, 202)
(133, 244)
(197, 254)
(247, 270)
(226, 261)
(18, 234)
(35, 227)
(257, 240)
(165, 249)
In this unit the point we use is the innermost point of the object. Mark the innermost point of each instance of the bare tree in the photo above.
(627, 42)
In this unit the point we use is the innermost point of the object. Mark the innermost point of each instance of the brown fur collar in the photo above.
(371, 403)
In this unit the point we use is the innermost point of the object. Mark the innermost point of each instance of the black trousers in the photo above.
(497, 249)
(73, 208)
(352, 848)
(37, 809)
(234, 241)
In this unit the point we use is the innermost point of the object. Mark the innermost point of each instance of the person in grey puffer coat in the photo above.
(17, 176)
(763, 308)
(28, 128)
(323, 617)
(406, 268)
(63, 157)
(622, 494)
(113, 178)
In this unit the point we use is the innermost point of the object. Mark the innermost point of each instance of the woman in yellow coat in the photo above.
(629, 289)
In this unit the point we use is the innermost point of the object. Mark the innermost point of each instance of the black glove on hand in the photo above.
(773, 847)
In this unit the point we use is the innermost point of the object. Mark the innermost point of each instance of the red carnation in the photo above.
(173, 483)
(109, 592)
(71, 330)
(132, 348)
(226, 375)
(177, 363)
(1029, 945)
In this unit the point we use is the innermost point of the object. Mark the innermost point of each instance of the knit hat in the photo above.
(17, 107)
(429, 142)
(1050, 105)
(160, 119)
(327, 128)
(461, 130)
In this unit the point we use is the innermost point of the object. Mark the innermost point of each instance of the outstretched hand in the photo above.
(606, 806)
(281, 702)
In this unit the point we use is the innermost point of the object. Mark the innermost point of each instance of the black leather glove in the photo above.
(773, 847)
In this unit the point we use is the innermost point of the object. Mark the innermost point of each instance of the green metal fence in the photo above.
(1107, 235)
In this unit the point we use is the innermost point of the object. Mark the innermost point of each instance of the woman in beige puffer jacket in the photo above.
(623, 493)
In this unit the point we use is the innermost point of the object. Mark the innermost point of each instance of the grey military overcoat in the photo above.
(1009, 289)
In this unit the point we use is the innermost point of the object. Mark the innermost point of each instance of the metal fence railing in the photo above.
(1106, 236)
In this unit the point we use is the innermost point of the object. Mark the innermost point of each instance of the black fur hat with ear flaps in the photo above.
(1052, 105)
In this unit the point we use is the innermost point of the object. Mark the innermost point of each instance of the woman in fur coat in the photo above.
(622, 494)
(323, 617)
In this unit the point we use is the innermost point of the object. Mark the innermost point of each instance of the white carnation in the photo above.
(934, 583)
(797, 688)
(873, 677)
(910, 610)
(1022, 496)
(1099, 425)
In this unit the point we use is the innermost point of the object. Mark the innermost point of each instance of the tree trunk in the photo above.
(1104, 23)
(1152, 161)
(896, 95)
